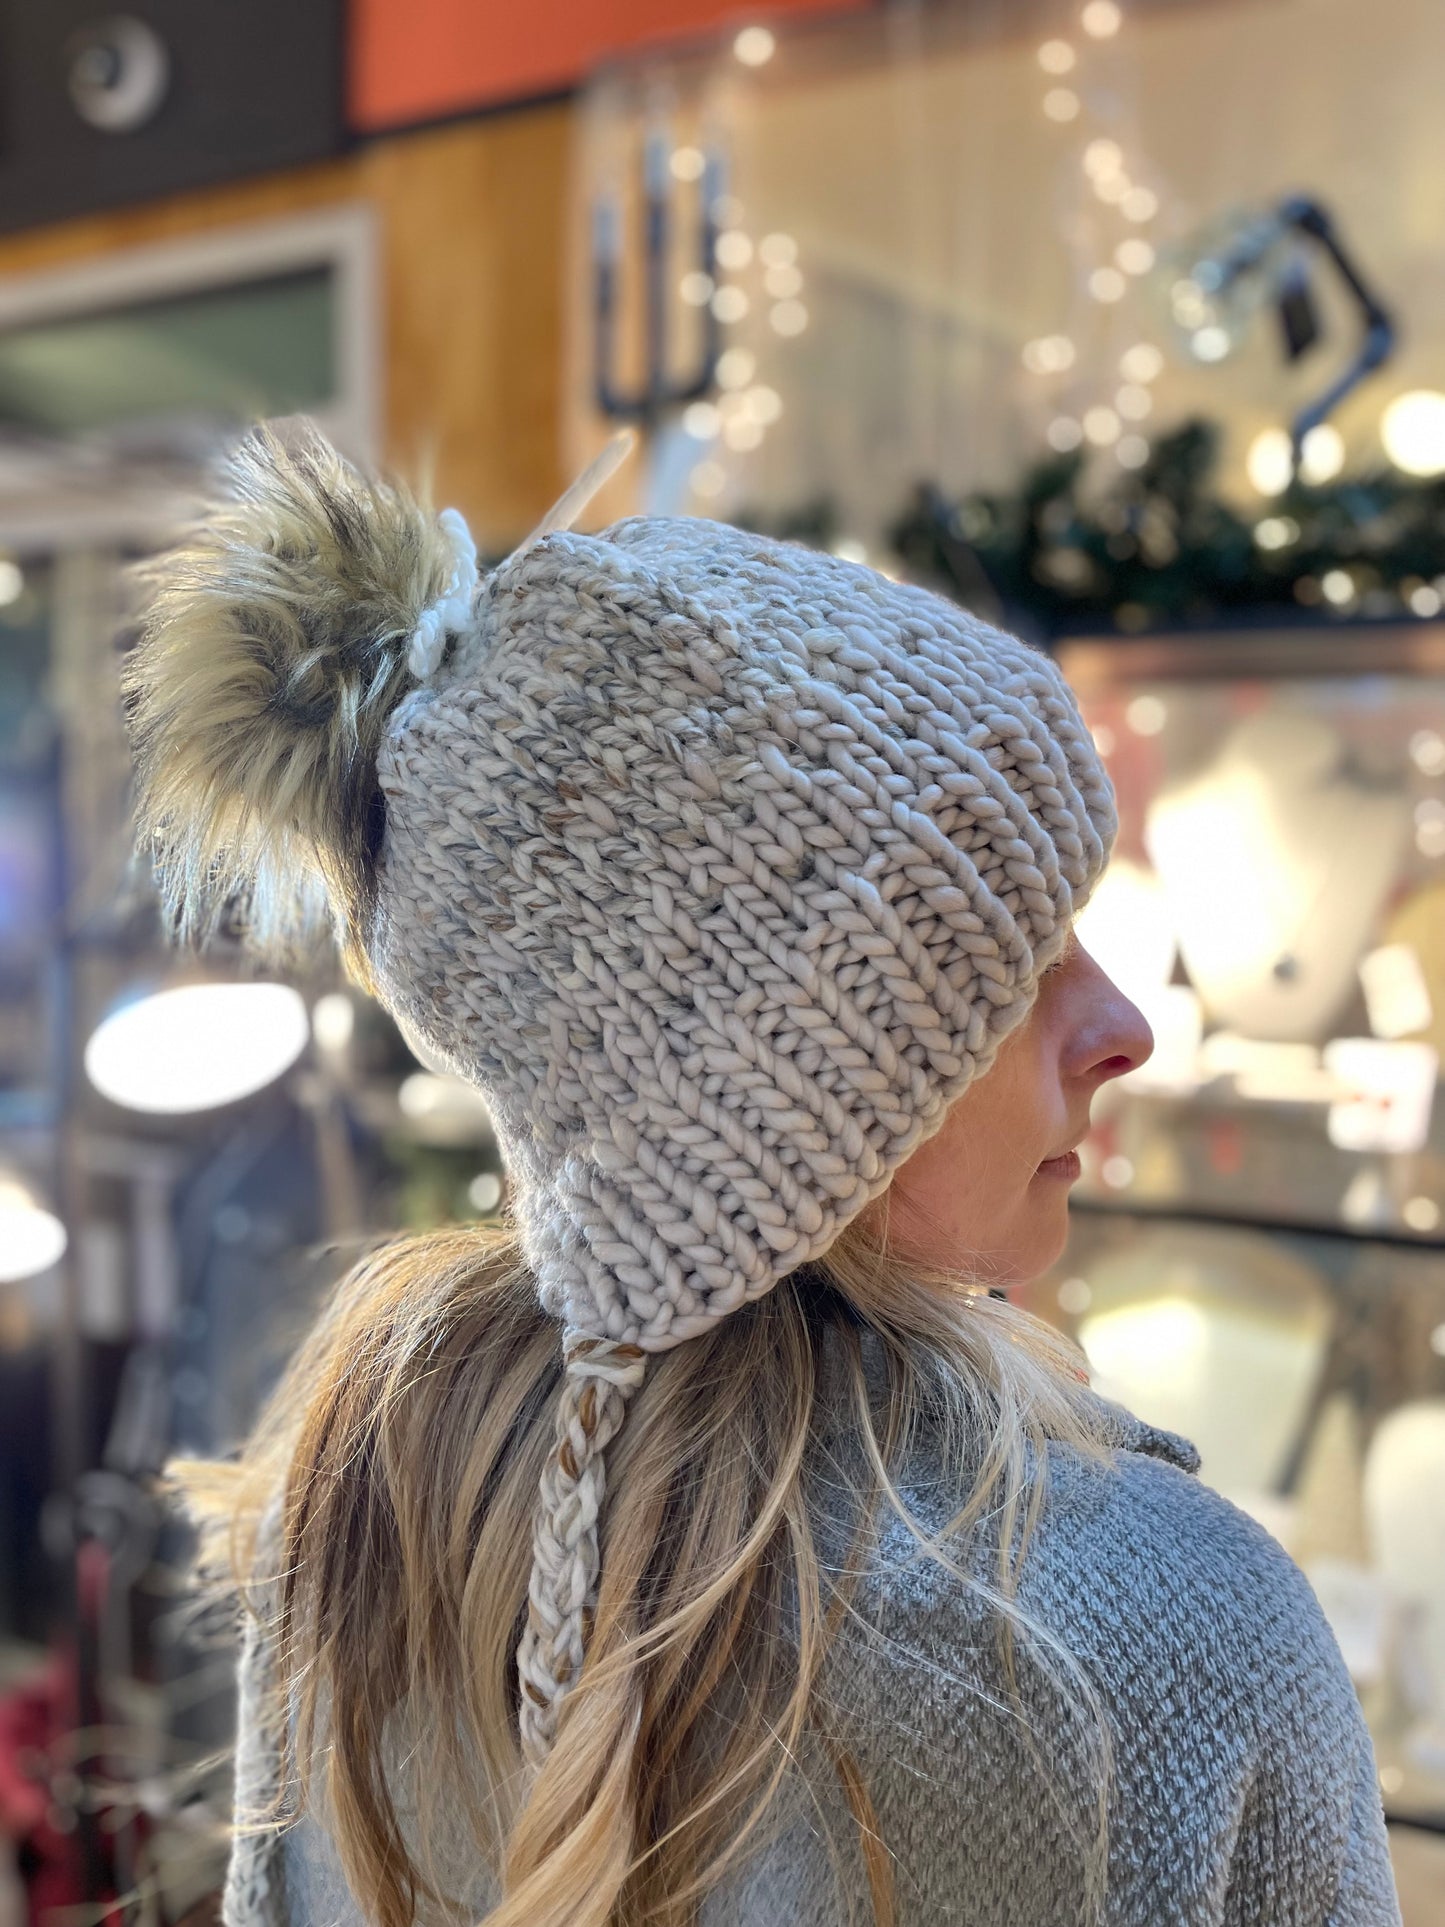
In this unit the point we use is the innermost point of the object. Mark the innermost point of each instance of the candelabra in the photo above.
(658, 390)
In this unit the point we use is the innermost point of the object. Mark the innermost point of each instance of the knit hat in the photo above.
(719, 866)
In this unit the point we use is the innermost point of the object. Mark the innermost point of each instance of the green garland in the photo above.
(1158, 549)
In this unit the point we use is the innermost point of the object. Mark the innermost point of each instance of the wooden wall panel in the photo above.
(471, 221)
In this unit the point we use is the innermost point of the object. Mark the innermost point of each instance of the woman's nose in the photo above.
(1113, 1036)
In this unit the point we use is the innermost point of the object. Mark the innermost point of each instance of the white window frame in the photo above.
(79, 514)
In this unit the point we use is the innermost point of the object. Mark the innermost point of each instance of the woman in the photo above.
(710, 1542)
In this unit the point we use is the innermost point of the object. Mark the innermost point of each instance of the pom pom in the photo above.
(274, 649)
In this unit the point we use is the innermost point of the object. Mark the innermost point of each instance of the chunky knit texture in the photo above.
(1245, 1787)
(722, 868)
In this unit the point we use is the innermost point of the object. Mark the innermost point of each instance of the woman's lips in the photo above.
(1067, 1167)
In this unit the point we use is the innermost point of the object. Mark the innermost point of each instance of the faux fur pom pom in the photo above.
(274, 649)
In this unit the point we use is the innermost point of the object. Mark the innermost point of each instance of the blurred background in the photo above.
(1120, 321)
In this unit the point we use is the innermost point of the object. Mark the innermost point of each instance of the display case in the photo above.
(1257, 1257)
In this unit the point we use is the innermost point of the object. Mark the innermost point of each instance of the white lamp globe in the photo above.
(32, 1239)
(196, 1047)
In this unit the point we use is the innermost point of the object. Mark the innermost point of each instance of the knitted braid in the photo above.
(598, 1381)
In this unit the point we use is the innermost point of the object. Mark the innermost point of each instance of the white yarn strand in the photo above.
(598, 1381)
(453, 609)
(597, 474)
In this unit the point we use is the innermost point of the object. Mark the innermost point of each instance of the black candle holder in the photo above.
(658, 392)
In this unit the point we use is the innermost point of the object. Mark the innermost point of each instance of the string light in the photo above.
(1050, 355)
(1101, 425)
(1139, 204)
(1064, 434)
(1101, 19)
(1133, 402)
(697, 288)
(1134, 256)
(687, 163)
(1102, 157)
(1269, 463)
(742, 434)
(702, 421)
(736, 368)
(1142, 362)
(1133, 451)
(783, 283)
(1186, 298)
(1146, 715)
(730, 305)
(1413, 431)
(1430, 827)
(734, 249)
(777, 250)
(1056, 57)
(1061, 104)
(1106, 284)
(1276, 532)
(755, 47)
(789, 318)
(1322, 455)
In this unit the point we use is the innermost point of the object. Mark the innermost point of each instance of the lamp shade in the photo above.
(196, 1047)
(32, 1239)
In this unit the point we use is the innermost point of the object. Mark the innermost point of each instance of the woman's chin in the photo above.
(1048, 1240)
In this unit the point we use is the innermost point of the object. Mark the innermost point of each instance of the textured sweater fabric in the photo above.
(1244, 1787)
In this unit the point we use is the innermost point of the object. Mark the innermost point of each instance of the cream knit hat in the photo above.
(719, 866)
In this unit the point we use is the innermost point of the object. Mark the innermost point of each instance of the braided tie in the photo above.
(599, 1379)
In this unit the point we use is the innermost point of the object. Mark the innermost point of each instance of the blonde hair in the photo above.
(404, 1447)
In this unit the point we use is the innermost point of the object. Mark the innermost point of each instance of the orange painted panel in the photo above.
(416, 60)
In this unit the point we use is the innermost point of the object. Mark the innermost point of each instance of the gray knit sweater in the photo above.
(1244, 1789)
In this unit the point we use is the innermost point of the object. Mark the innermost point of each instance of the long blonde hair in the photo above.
(403, 1449)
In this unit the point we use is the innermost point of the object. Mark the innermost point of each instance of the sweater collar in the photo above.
(1130, 1434)
(1118, 1425)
